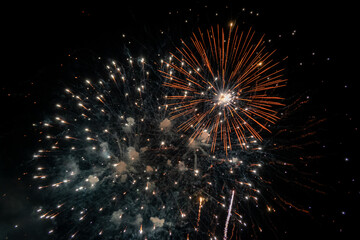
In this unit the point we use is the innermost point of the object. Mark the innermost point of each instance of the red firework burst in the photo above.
(223, 81)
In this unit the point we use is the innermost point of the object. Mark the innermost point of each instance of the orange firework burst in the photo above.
(222, 82)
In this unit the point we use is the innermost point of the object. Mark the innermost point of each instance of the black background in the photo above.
(37, 41)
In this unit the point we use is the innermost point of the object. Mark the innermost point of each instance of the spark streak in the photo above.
(229, 214)
(201, 200)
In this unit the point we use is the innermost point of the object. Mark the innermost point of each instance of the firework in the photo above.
(110, 155)
(223, 80)
(112, 164)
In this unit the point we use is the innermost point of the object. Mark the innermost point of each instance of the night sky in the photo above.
(45, 46)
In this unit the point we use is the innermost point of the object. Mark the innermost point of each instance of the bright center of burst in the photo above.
(224, 98)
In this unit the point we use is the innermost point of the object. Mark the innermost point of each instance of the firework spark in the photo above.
(229, 214)
(223, 82)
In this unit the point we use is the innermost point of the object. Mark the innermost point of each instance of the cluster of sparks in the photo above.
(224, 79)
(119, 159)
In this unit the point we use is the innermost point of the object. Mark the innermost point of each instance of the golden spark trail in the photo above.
(199, 213)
